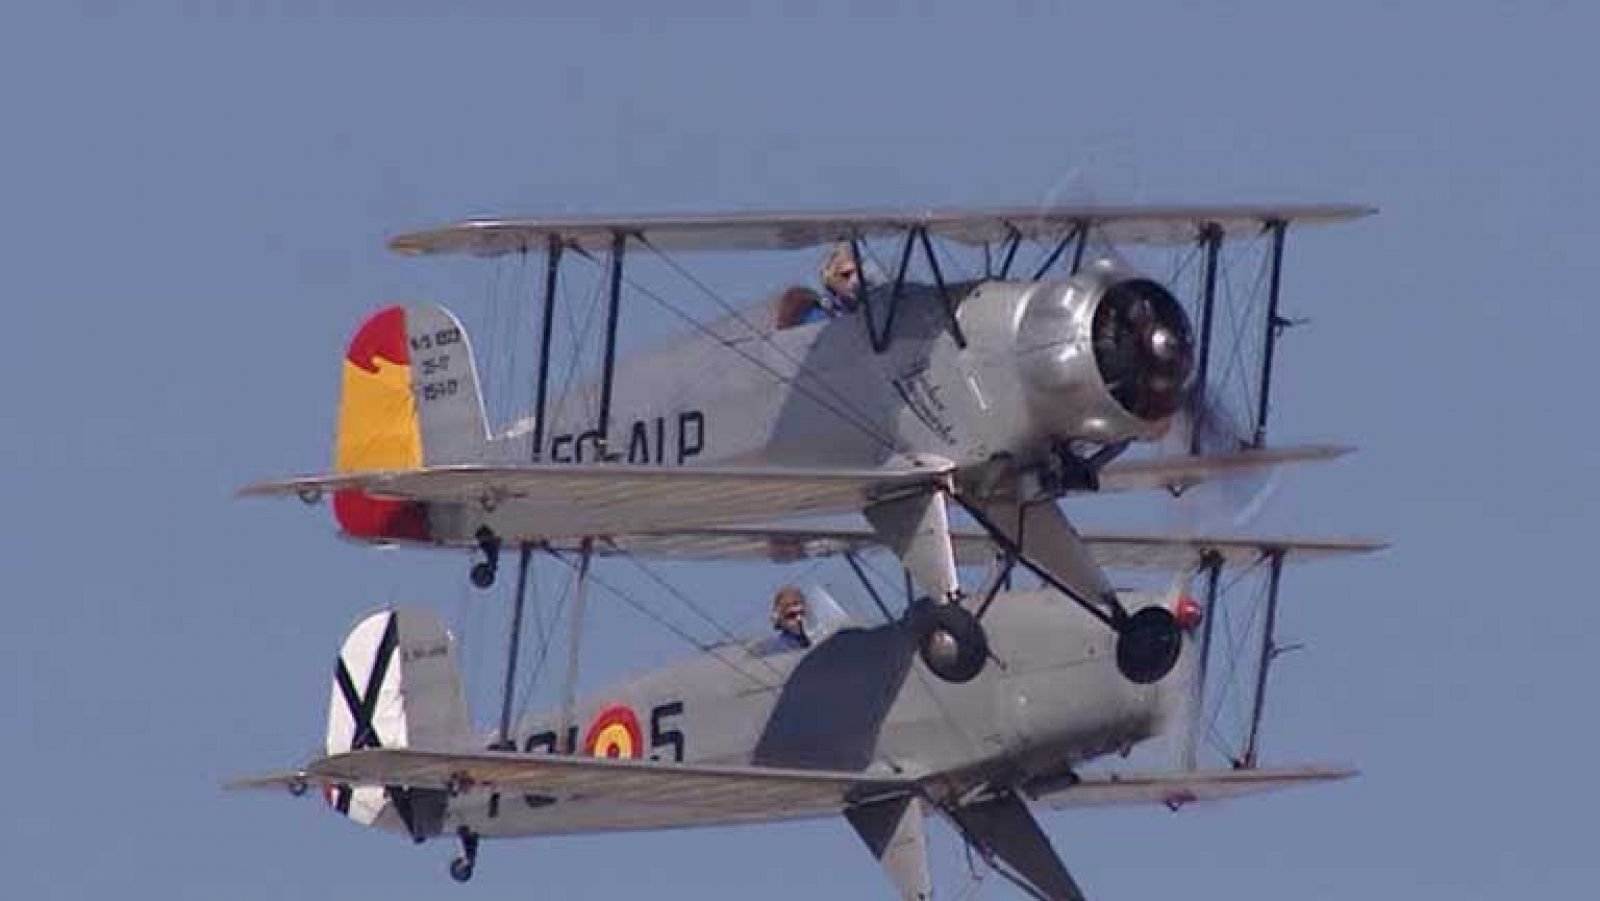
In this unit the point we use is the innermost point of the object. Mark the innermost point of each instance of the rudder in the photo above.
(408, 398)
(396, 684)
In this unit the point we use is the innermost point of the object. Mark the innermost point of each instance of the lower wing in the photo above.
(573, 501)
(1175, 789)
(600, 793)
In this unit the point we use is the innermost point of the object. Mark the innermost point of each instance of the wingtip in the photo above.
(269, 488)
(294, 781)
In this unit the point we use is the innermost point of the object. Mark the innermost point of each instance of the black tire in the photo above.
(1148, 645)
(953, 645)
(461, 869)
(483, 573)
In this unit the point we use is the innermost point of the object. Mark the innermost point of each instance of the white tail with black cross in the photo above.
(395, 685)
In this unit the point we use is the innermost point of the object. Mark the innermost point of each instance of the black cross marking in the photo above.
(361, 707)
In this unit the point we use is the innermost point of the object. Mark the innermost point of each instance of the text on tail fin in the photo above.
(395, 685)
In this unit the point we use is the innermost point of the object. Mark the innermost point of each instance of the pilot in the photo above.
(789, 618)
(841, 281)
(841, 291)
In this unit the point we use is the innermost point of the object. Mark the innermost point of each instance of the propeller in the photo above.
(1143, 348)
(1227, 504)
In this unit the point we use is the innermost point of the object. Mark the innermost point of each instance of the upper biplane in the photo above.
(1000, 394)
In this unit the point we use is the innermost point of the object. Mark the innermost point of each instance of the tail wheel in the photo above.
(953, 644)
(461, 869)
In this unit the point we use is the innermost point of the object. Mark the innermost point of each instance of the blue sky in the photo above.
(194, 200)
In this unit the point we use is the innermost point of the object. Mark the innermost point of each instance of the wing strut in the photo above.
(569, 698)
(1269, 652)
(915, 236)
(1076, 237)
(1275, 326)
(513, 650)
(1211, 563)
(1211, 241)
(552, 272)
(619, 243)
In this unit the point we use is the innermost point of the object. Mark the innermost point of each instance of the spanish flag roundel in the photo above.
(614, 732)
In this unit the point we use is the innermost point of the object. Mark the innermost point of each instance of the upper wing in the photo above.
(1112, 550)
(793, 230)
(580, 500)
(1180, 788)
(594, 793)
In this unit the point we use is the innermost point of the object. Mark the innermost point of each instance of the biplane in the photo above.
(910, 400)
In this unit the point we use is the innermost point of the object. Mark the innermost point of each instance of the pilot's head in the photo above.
(789, 611)
(840, 274)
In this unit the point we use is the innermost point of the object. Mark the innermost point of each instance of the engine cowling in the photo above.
(1105, 356)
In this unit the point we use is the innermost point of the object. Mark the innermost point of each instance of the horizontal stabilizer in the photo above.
(1175, 789)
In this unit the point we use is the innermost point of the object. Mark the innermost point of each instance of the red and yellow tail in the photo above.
(408, 398)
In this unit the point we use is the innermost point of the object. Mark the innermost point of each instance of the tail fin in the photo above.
(396, 685)
(408, 398)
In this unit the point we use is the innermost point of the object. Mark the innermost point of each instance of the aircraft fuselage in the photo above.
(860, 700)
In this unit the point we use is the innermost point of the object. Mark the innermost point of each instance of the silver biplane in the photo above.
(896, 398)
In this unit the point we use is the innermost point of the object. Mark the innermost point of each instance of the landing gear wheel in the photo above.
(461, 868)
(953, 644)
(1148, 645)
(483, 573)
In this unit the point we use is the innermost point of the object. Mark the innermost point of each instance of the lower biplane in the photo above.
(759, 730)
(997, 395)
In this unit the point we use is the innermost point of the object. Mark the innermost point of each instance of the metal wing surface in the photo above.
(599, 794)
(1112, 550)
(1178, 473)
(738, 231)
(1175, 789)
(576, 501)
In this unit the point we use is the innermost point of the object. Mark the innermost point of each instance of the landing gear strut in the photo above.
(1148, 641)
(483, 571)
(952, 642)
(461, 868)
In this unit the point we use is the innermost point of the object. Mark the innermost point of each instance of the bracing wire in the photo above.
(1230, 692)
(688, 602)
(857, 419)
(1233, 372)
(714, 651)
(546, 635)
(575, 359)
